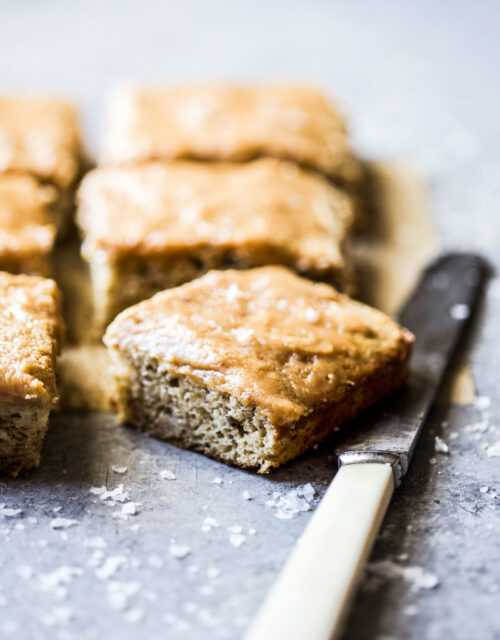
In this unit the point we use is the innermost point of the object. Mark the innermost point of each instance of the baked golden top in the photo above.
(26, 221)
(227, 123)
(272, 339)
(40, 136)
(265, 208)
(30, 335)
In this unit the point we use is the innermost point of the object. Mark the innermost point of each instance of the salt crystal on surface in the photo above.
(134, 615)
(213, 572)
(95, 558)
(246, 495)
(494, 450)
(235, 528)
(236, 540)
(62, 575)
(217, 480)
(252, 531)
(110, 566)
(295, 501)
(128, 509)
(155, 561)
(166, 474)
(312, 315)
(24, 571)
(95, 542)
(460, 311)
(119, 593)
(482, 402)
(116, 495)
(7, 512)
(484, 489)
(62, 523)
(419, 577)
(440, 446)
(120, 470)
(179, 550)
(97, 490)
(208, 524)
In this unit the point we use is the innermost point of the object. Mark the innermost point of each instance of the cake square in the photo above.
(229, 123)
(252, 367)
(40, 136)
(30, 336)
(27, 224)
(157, 226)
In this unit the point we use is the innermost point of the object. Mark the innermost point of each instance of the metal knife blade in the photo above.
(437, 313)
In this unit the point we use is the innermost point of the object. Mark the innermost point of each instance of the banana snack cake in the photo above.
(40, 136)
(157, 226)
(252, 367)
(31, 331)
(27, 224)
(229, 123)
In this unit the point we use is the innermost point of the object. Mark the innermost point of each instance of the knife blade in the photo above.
(313, 592)
(436, 313)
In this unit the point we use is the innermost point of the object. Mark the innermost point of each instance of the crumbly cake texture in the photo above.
(27, 224)
(230, 124)
(253, 367)
(40, 136)
(157, 226)
(30, 336)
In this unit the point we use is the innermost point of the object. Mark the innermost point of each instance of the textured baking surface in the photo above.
(413, 91)
(27, 224)
(40, 136)
(210, 122)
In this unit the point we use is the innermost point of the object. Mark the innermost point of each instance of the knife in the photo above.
(313, 592)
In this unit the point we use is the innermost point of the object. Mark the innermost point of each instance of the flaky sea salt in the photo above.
(119, 593)
(460, 311)
(208, 524)
(63, 523)
(61, 576)
(235, 528)
(95, 542)
(419, 577)
(246, 495)
(494, 450)
(311, 315)
(236, 540)
(166, 474)
(8, 512)
(217, 480)
(110, 567)
(295, 501)
(440, 446)
(179, 551)
(119, 470)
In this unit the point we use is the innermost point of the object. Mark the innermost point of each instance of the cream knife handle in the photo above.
(312, 594)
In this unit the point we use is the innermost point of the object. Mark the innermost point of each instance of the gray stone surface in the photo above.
(420, 83)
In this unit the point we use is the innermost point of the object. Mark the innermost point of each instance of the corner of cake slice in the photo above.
(31, 331)
(253, 367)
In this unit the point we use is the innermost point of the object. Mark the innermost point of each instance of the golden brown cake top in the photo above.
(40, 136)
(227, 123)
(26, 220)
(272, 339)
(30, 335)
(265, 207)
